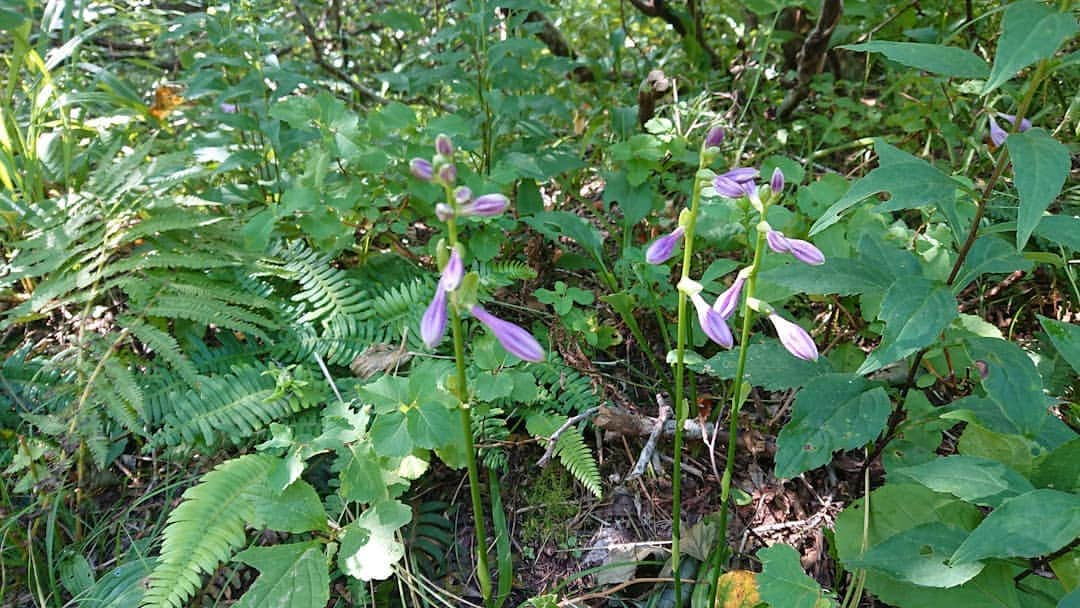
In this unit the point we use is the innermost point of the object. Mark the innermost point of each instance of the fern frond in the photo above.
(504, 272)
(570, 448)
(163, 345)
(567, 391)
(206, 528)
(233, 406)
(121, 393)
(325, 291)
(209, 312)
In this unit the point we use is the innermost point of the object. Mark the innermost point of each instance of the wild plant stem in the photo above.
(462, 388)
(736, 403)
(680, 405)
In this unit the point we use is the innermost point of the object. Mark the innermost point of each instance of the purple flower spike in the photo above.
(433, 323)
(448, 174)
(516, 340)
(729, 300)
(444, 146)
(663, 247)
(727, 187)
(777, 241)
(453, 272)
(997, 134)
(462, 195)
(488, 205)
(1025, 124)
(714, 138)
(794, 338)
(806, 252)
(421, 169)
(776, 184)
(712, 322)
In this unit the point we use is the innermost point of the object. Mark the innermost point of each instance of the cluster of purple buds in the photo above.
(997, 134)
(441, 170)
(737, 183)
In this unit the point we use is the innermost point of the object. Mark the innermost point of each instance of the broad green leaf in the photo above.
(432, 424)
(76, 575)
(1040, 166)
(1014, 451)
(528, 200)
(368, 547)
(841, 276)
(1067, 569)
(1030, 31)
(556, 224)
(360, 473)
(768, 365)
(1060, 469)
(910, 181)
(888, 259)
(935, 58)
(1066, 339)
(919, 555)
(1014, 386)
(296, 509)
(989, 254)
(783, 582)
(1062, 229)
(390, 434)
(977, 480)
(290, 576)
(635, 202)
(1032, 524)
(915, 310)
(832, 412)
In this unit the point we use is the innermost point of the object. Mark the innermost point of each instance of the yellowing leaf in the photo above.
(737, 589)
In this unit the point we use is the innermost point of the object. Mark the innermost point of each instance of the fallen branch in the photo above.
(550, 451)
(650, 445)
(618, 422)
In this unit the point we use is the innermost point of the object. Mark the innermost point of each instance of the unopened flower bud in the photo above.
(433, 323)
(444, 212)
(712, 322)
(453, 272)
(997, 134)
(794, 338)
(776, 184)
(488, 205)
(421, 168)
(515, 339)
(729, 300)
(662, 248)
(444, 146)
(462, 195)
(448, 174)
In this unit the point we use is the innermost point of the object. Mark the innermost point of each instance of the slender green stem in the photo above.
(680, 406)
(737, 396)
(462, 388)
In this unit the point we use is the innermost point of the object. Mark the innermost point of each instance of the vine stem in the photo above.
(737, 396)
(462, 388)
(680, 405)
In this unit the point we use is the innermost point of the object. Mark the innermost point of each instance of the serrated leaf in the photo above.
(1029, 31)
(915, 310)
(977, 480)
(919, 555)
(1009, 531)
(296, 509)
(368, 547)
(290, 576)
(768, 365)
(911, 182)
(1040, 166)
(989, 254)
(832, 412)
(1065, 338)
(935, 58)
(783, 582)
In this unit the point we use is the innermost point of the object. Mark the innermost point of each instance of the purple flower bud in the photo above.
(714, 138)
(433, 323)
(453, 272)
(228, 108)
(997, 134)
(462, 195)
(751, 190)
(1025, 124)
(777, 241)
(444, 146)
(806, 252)
(488, 205)
(794, 338)
(712, 322)
(448, 174)
(444, 212)
(729, 300)
(662, 248)
(727, 187)
(776, 184)
(516, 340)
(421, 169)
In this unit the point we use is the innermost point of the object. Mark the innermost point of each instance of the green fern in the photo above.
(570, 449)
(325, 291)
(565, 390)
(206, 528)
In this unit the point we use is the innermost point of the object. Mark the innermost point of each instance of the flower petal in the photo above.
(515, 339)
(714, 138)
(433, 323)
(727, 187)
(421, 168)
(488, 205)
(776, 184)
(741, 174)
(997, 134)
(662, 248)
(444, 146)
(777, 241)
(805, 252)
(712, 322)
(453, 272)
(794, 338)
(729, 300)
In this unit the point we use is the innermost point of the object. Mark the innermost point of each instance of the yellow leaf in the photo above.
(737, 589)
